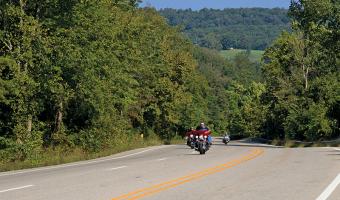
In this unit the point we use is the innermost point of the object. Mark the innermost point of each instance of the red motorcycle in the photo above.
(199, 139)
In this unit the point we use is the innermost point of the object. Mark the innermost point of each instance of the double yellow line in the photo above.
(184, 179)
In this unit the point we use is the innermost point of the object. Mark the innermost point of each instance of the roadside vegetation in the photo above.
(91, 75)
(63, 154)
(82, 79)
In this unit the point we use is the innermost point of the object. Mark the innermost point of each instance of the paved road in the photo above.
(238, 171)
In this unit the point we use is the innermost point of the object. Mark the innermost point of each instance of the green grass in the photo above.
(299, 144)
(61, 155)
(255, 55)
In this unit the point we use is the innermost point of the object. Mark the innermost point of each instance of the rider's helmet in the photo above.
(202, 124)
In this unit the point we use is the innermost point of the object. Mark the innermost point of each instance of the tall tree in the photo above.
(297, 70)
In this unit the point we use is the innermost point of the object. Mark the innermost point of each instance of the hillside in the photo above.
(244, 28)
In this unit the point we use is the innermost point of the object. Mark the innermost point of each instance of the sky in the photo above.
(216, 4)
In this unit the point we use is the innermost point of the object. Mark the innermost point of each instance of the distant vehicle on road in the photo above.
(226, 139)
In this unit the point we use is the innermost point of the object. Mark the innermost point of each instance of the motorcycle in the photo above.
(202, 142)
(191, 140)
(226, 139)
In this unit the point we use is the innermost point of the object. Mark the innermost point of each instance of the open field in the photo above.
(255, 55)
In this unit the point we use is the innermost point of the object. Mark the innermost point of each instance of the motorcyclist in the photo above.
(202, 126)
(226, 138)
(190, 133)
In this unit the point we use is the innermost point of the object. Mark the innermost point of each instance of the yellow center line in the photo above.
(184, 179)
(169, 182)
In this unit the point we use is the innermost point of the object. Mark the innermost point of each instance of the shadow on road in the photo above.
(183, 147)
(238, 143)
(253, 145)
(247, 144)
(333, 154)
(192, 154)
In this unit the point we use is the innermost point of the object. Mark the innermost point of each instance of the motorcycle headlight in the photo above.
(201, 136)
(191, 135)
(196, 136)
(205, 137)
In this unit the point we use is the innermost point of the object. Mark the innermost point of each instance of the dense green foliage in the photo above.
(302, 72)
(91, 74)
(298, 96)
(243, 28)
(232, 90)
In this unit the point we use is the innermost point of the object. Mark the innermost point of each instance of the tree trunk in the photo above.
(305, 75)
(305, 62)
(22, 4)
(306, 78)
(29, 123)
(59, 118)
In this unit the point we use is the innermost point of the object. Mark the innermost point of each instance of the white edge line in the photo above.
(161, 159)
(115, 168)
(336, 149)
(17, 188)
(82, 163)
(328, 191)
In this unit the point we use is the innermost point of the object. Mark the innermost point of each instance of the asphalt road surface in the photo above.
(237, 171)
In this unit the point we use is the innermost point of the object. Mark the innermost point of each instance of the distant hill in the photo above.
(243, 28)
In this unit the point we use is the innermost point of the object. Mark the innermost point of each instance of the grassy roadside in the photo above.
(177, 140)
(294, 143)
(62, 155)
(300, 144)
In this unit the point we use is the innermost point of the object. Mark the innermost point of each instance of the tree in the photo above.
(297, 70)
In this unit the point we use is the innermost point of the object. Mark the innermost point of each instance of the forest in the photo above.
(95, 75)
(238, 28)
